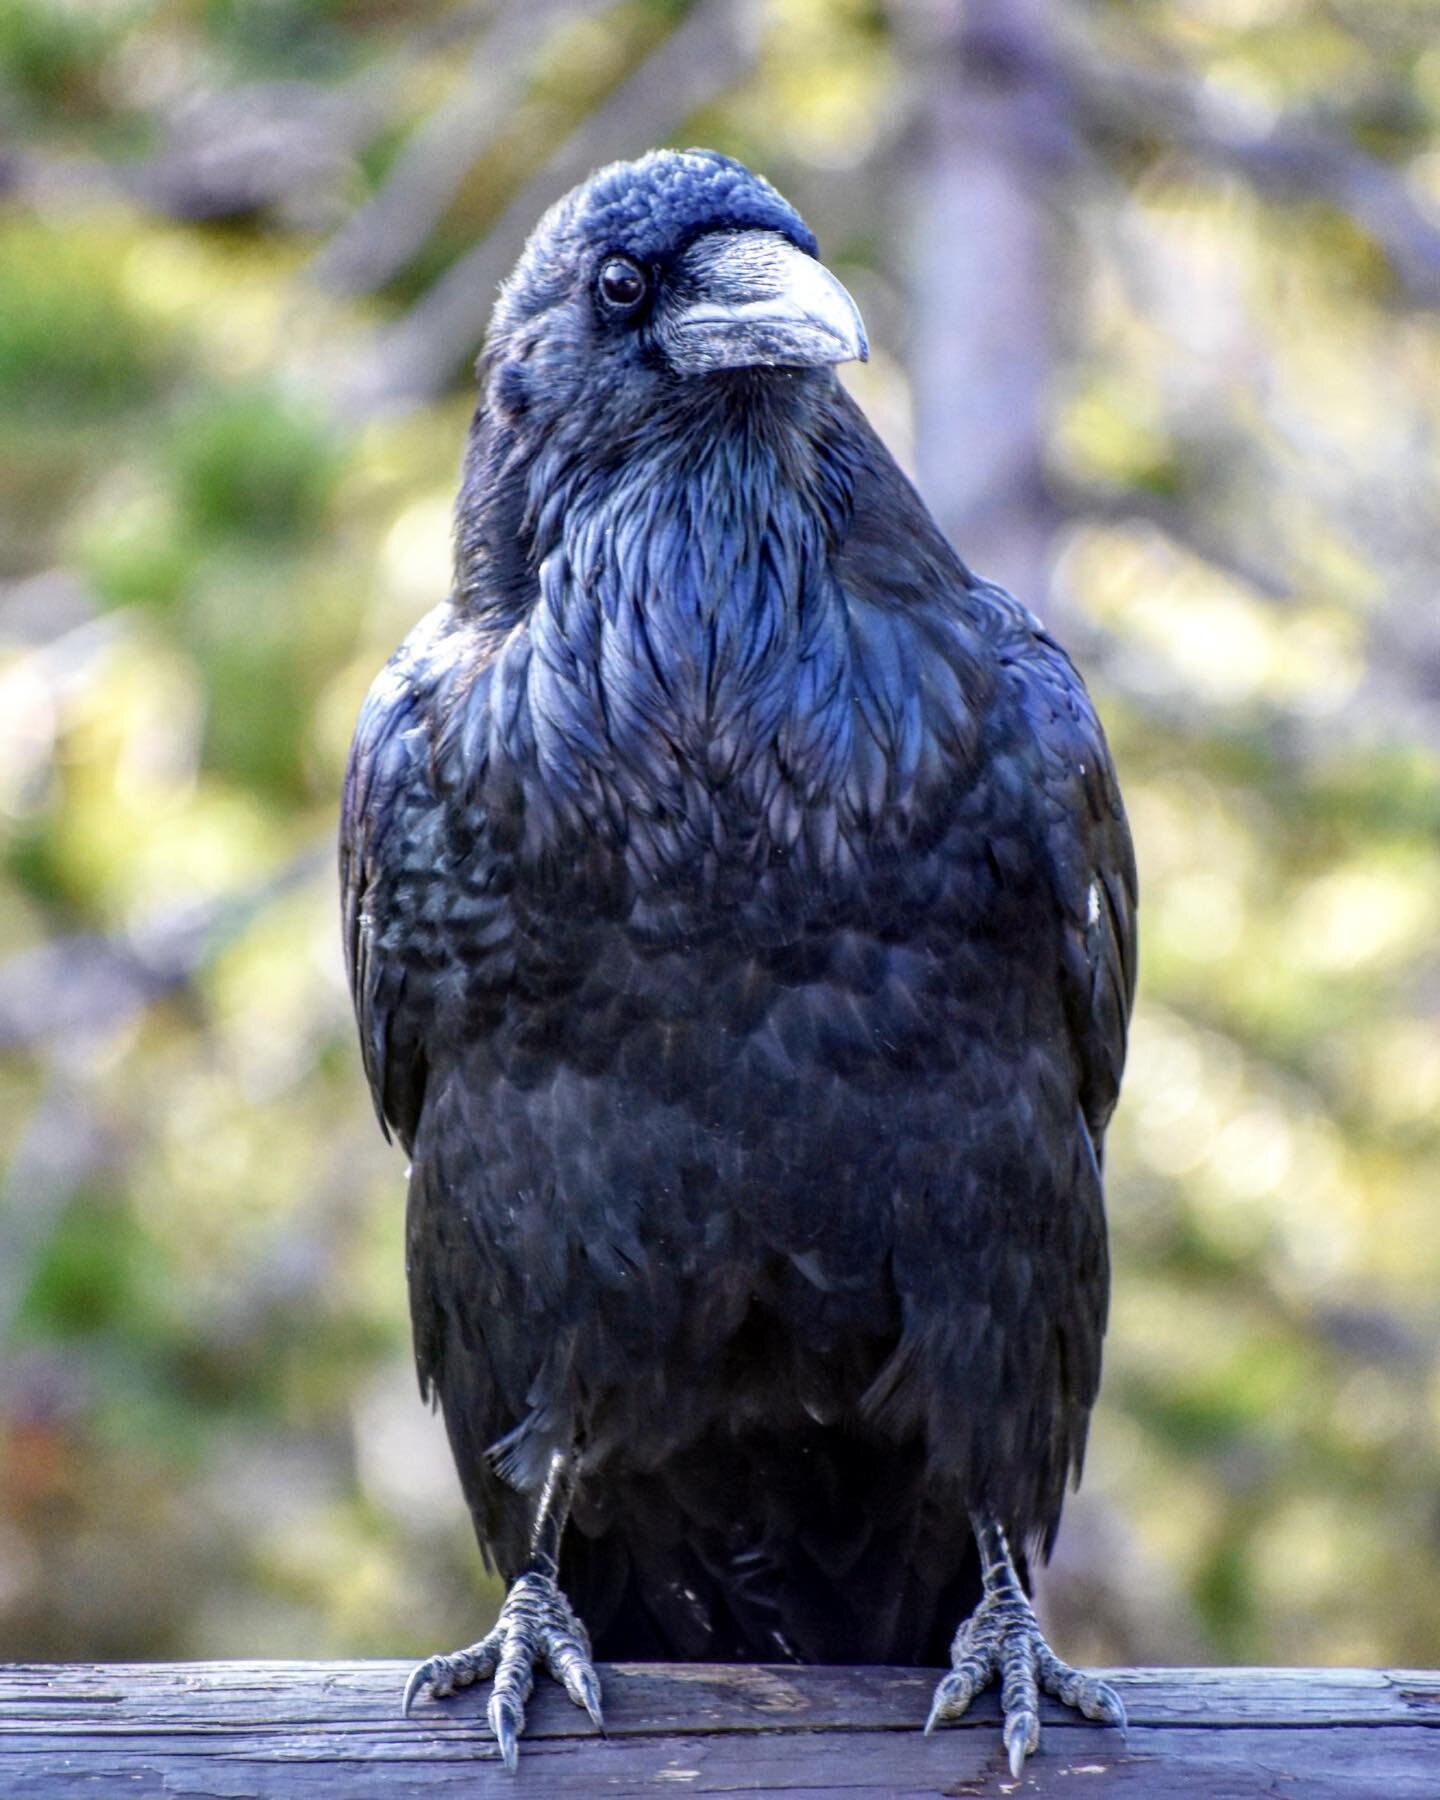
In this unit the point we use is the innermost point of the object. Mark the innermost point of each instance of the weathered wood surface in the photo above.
(298, 1731)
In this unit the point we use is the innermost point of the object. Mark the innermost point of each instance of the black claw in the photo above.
(506, 1727)
(536, 1628)
(590, 1697)
(418, 1677)
(1107, 1706)
(1002, 1641)
(1022, 1734)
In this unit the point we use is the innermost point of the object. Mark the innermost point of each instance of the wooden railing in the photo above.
(300, 1731)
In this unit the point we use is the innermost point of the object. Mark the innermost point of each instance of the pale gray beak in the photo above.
(752, 300)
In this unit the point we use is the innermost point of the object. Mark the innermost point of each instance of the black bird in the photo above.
(739, 911)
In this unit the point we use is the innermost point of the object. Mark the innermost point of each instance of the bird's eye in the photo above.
(621, 284)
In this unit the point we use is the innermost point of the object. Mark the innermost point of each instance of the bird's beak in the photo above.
(751, 299)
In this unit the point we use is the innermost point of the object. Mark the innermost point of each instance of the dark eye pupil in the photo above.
(621, 282)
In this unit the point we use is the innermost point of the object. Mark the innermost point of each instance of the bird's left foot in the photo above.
(537, 1627)
(1002, 1640)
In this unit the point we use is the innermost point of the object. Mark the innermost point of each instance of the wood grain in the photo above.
(298, 1731)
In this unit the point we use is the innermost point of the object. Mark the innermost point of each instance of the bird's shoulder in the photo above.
(416, 864)
(1059, 763)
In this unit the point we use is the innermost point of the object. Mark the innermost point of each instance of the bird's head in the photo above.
(658, 272)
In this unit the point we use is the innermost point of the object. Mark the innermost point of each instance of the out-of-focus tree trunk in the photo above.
(986, 274)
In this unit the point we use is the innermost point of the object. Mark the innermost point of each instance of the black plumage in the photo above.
(739, 909)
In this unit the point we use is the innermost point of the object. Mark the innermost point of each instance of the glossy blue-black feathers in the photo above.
(644, 208)
(740, 914)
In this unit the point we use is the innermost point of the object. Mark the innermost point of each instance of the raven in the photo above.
(739, 911)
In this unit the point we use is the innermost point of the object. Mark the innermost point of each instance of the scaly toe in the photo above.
(1095, 1698)
(537, 1628)
(442, 1675)
(1003, 1639)
(582, 1684)
(1098, 1700)
(955, 1691)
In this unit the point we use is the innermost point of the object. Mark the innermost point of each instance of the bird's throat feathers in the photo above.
(684, 628)
(703, 559)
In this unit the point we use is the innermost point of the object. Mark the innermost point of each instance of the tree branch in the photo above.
(417, 356)
(1304, 157)
(384, 234)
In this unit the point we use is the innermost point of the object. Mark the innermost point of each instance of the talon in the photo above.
(1100, 1701)
(1002, 1640)
(507, 1721)
(1022, 1734)
(583, 1687)
(418, 1678)
(953, 1697)
(1096, 1699)
(536, 1627)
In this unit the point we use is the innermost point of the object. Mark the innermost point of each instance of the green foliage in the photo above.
(72, 347)
(286, 38)
(89, 1280)
(250, 465)
(51, 51)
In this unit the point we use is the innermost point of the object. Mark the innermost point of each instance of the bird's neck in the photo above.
(723, 467)
(687, 578)
(676, 632)
(738, 468)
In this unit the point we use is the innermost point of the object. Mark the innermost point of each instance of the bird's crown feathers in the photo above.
(646, 210)
(652, 206)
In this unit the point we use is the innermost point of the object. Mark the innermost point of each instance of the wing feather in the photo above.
(1091, 862)
(387, 808)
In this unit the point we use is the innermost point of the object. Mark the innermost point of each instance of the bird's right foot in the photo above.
(537, 1627)
(1002, 1640)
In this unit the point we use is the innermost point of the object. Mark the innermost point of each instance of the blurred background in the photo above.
(1154, 294)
